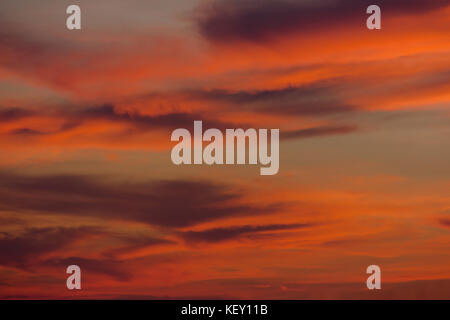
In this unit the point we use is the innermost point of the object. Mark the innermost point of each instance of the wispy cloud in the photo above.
(175, 203)
(235, 233)
(262, 21)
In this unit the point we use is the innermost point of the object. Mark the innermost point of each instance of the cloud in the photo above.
(113, 268)
(81, 66)
(21, 250)
(145, 122)
(25, 131)
(316, 99)
(175, 203)
(128, 122)
(21, 53)
(10, 221)
(13, 114)
(133, 244)
(444, 222)
(28, 250)
(233, 233)
(318, 131)
(261, 21)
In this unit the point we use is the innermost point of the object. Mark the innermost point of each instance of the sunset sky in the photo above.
(86, 176)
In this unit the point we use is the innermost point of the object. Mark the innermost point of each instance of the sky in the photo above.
(86, 176)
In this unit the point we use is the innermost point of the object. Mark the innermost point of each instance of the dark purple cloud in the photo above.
(233, 233)
(316, 99)
(259, 21)
(161, 203)
(146, 122)
(137, 123)
(444, 222)
(27, 250)
(21, 250)
(12, 114)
